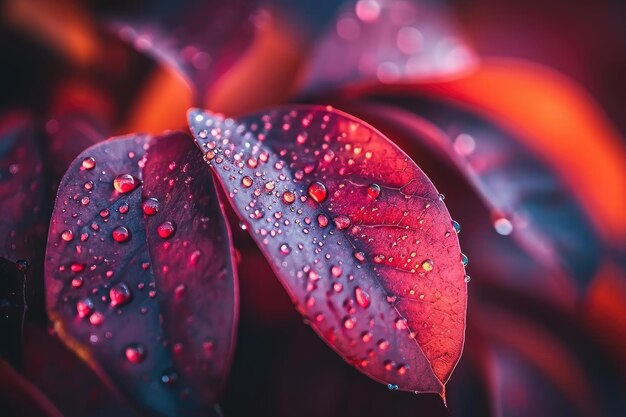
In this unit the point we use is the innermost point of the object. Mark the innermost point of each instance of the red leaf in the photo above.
(139, 275)
(356, 232)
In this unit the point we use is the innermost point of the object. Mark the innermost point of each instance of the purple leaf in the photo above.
(358, 235)
(140, 279)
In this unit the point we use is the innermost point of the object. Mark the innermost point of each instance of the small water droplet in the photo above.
(336, 271)
(467, 278)
(503, 226)
(342, 221)
(464, 259)
(349, 322)
(166, 229)
(392, 387)
(317, 191)
(362, 298)
(84, 307)
(120, 234)
(383, 344)
(96, 319)
(285, 249)
(456, 226)
(322, 220)
(120, 294)
(428, 265)
(289, 197)
(359, 256)
(150, 206)
(89, 163)
(22, 265)
(67, 236)
(246, 181)
(125, 183)
(135, 353)
(373, 191)
(169, 377)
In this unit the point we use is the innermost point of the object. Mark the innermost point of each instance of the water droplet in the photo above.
(373, 191)
(392, 387)
(96, 319)
(322, 220)
(169, 377)
(362, 298)
(467, 278)
(359, 256)
(456, 226)
(336, 271)
(503, 226)
(120, 234)
(289, 197)
(269, 186)
(125, 183)
(383, 344)
(150, 206)
(89, 163)
(166, 229)
(67, 236)
(123, 208)
(22, 265)
(349, 322)
(77, 267)
(120, 294)
(317, 191)
(84, 307)
(135, 353)
(246, 181)
(285, 249)
(104, 213)
(342, 221)
(441, 197)
(464, 259)
(428, 265)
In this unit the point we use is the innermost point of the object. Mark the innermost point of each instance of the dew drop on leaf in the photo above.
(120, 294)
(120, 234)
(317, 191)
(125, 183)
(135, 353)
(150, 206)
(166, 229)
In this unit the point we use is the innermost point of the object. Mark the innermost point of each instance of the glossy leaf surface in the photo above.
(357, 233)
(139, 276)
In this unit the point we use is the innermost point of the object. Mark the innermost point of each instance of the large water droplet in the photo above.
(120, 294)
(246, 181)
(317, 191)
(125, 183)
(120, 234)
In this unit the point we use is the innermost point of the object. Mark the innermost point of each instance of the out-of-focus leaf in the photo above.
(559, 123)
(20, 398)
(357, 233)
(388, 41)
(66, 380)
(140, 281)
(12, 309)
(526, 195)
(201, 39)
(23, 201)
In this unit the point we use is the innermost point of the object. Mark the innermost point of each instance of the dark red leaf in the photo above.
(139, 273)
(357, 233)
(12, 308)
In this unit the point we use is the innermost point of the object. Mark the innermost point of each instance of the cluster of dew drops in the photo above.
(316, 190)
(119, 294)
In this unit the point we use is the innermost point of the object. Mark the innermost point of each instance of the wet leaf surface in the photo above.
(139, 275)
(358, 235)
(526, 196)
